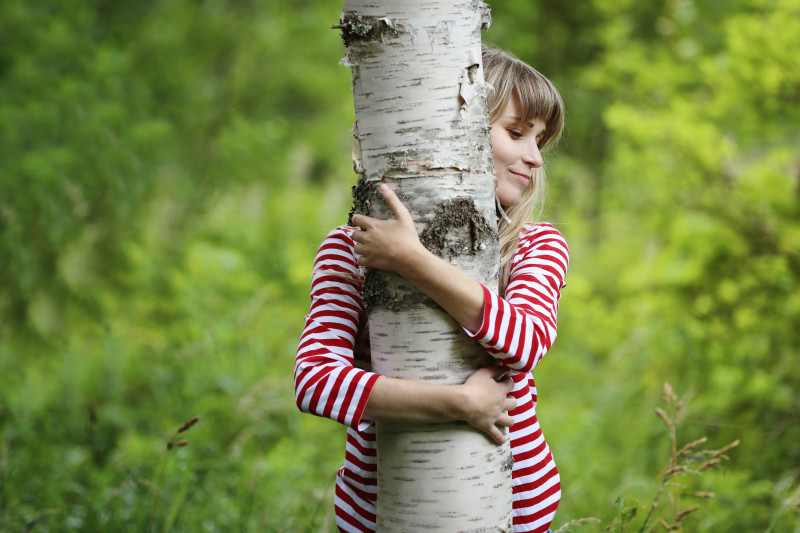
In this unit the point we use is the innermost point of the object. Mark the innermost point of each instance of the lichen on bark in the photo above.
(364, 193)
(360, 28)
(399, 295)
(456, 228)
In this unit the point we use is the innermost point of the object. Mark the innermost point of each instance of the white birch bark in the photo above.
(422, 126)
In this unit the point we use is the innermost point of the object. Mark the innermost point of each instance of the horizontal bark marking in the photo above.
(423, 451)
(408, 505)
(435, 377)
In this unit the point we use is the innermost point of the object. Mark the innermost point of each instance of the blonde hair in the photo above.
(538, 98)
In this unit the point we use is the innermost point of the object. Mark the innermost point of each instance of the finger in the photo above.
(510, 404)
(362, 221)
(394, 203)
(496, 435)
(505, 420)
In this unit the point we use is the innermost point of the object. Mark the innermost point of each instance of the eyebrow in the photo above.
(530, 124)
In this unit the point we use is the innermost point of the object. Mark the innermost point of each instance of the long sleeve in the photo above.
(519, 328)
(326, 381)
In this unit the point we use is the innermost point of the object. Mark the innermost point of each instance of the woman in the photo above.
(333, 377)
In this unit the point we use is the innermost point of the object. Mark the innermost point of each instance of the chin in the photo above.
(507, 200)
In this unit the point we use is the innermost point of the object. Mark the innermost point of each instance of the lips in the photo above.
(522, 177)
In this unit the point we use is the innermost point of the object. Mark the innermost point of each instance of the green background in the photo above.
(168, 168)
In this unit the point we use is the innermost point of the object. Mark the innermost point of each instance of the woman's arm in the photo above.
(518, 329)
(394, 245)
(481, 401)
(326, 381)
(328, 384)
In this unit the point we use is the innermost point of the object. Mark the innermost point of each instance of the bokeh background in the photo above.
(168, 168)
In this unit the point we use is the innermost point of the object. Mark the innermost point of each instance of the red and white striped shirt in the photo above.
(333, 377)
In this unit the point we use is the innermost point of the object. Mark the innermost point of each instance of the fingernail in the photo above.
(384, 187)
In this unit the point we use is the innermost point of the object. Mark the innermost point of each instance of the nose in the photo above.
(532, 156)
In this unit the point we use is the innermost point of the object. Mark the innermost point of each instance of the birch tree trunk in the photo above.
(422, 125)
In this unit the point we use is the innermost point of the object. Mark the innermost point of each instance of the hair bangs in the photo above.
(508, 76)
(538, 99)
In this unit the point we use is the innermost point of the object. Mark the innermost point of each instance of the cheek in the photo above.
(500, 154)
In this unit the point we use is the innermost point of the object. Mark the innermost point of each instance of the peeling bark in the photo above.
(422, 125)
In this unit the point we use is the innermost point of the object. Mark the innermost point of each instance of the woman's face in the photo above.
(515, 152)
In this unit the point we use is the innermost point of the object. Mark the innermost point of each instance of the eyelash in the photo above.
(516, 135)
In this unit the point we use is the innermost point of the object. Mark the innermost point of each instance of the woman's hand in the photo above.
(486, 402)
(387, 244)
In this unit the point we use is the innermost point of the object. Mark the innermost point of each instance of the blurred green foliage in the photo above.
(167, 170)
